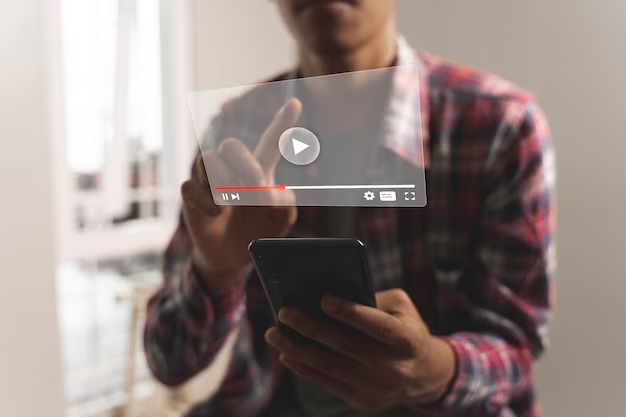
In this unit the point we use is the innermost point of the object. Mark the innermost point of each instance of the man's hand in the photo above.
(221, 235)
(387, 359)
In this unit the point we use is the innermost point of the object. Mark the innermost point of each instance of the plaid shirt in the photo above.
(477, 261)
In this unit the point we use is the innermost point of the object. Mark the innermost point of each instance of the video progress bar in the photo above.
(349, 187)
(283, 187)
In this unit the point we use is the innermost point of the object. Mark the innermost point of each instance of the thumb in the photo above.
(396, 302)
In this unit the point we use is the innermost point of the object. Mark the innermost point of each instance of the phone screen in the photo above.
(299, 272)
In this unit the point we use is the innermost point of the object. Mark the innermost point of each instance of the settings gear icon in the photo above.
(369, 196)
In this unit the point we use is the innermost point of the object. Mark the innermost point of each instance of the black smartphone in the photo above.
(299, 272)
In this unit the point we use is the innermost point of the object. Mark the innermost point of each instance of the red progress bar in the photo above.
(280, 187)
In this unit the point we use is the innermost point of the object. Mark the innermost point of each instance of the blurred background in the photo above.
(96, 137)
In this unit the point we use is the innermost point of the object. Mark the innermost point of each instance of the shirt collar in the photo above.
(406, 117)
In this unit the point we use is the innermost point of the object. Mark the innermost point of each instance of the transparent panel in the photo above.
(352, 139)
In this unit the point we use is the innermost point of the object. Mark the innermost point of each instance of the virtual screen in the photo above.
(318, 141)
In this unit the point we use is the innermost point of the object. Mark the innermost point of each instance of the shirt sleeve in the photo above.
(186, 324)
(507, 287)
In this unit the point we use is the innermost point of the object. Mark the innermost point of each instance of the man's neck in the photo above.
(376, 53)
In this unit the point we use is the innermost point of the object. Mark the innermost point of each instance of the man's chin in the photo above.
(332, 43)
(331, 48)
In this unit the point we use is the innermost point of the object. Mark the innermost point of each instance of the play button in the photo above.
(299, 146)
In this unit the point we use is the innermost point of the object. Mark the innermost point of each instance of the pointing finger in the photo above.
(267, 152)
(241, 161)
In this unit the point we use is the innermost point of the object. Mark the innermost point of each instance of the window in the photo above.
(125, 155)
(113, 109)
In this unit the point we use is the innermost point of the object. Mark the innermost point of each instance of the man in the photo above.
(465, 288)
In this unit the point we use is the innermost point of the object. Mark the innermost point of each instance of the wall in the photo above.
(238, 42)
(29, 354)
(571, 54)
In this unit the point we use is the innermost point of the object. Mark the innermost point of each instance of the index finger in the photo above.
(267, 152)
(376, 323)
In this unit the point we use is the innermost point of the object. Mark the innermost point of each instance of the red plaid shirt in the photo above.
(477, 261)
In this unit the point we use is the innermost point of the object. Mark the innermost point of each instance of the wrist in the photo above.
(217, 280)
(438, 373)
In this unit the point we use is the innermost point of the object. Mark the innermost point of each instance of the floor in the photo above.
(94, 325)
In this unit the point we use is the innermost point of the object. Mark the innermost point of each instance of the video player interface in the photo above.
(319, 141)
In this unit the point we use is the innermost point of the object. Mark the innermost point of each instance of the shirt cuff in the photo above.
(463, 390)
(225, 306)
(465, 375)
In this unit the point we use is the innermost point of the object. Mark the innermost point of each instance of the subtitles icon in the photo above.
(387, 196)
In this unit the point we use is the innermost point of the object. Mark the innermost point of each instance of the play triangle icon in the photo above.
(298, 146)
